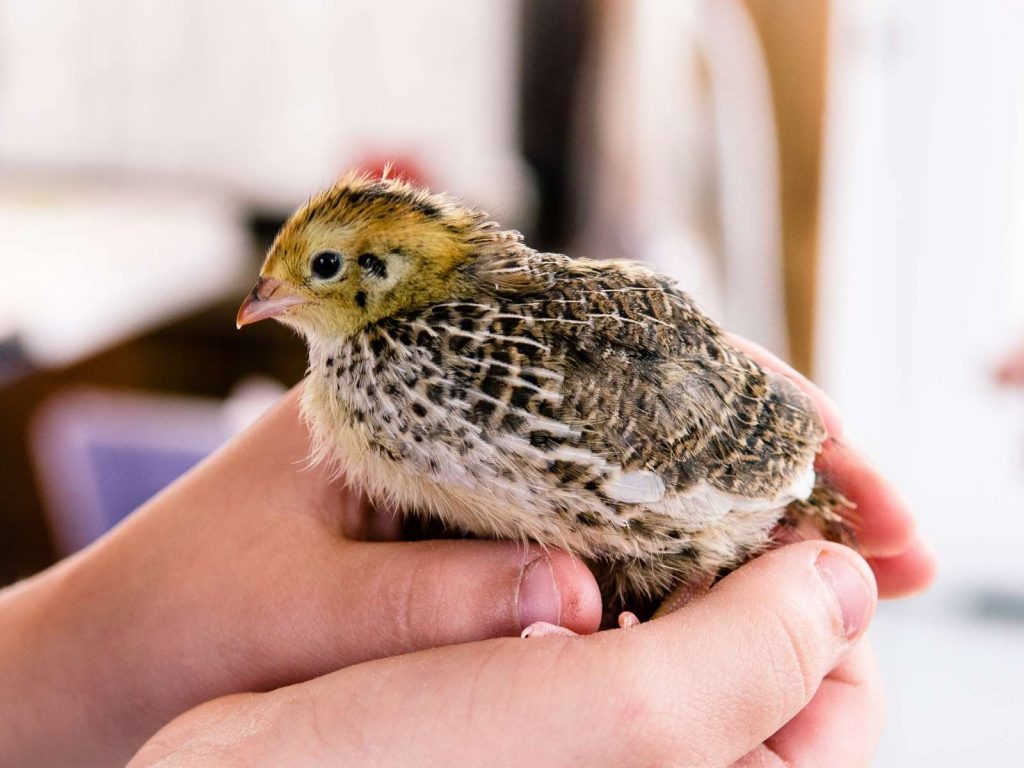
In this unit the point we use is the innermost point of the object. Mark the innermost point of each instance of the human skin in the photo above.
(251, 574)
(730, 679)
(1011, 369)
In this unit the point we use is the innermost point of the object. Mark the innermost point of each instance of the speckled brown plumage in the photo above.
(581, 404)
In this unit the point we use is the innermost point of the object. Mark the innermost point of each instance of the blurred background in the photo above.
(841, 180)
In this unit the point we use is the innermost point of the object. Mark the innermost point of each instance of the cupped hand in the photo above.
(249, 574)
(245, 575)
(757, 672)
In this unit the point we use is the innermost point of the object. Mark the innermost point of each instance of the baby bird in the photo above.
(587, 405)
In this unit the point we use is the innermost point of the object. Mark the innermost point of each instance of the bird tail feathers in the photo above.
(828, 511)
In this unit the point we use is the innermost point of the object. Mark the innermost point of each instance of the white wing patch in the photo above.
(803, 485)
(706, 504)
(640, 487)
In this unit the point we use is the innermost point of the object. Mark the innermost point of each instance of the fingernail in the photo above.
(853, 593)
(538, 598)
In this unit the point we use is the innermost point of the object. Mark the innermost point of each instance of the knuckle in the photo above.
(425, 604)
(403, 594)
(798, 650)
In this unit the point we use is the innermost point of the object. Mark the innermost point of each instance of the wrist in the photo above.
(66, 652)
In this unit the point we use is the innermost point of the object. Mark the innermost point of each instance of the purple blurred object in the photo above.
(100, 454)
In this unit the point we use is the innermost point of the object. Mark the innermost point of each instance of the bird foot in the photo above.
(544, 629)
(627, 619)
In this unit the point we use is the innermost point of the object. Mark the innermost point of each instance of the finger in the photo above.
(1011, 370)
(827, 408)
(821, 734)
(377, 600)
(703, 686)
(908, 573)
(760, 757)
(776, 651)
(884, 523)
(444, 592)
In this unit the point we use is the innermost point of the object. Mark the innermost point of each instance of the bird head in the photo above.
(363, 250)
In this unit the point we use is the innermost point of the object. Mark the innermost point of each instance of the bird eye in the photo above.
(326, 264)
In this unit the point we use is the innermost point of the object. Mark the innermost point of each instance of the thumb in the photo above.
(407, 596)
(752, 653)
(702, 686)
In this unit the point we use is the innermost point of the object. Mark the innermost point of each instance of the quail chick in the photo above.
(587, 405)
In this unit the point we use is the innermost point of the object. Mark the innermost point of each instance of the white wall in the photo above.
(923, 285)
(275, 97)
(921, 292)
(134, 129)
(684, 173)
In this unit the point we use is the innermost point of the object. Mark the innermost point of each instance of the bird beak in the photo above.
(268, 298)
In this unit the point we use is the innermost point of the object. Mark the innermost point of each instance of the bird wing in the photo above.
(653, 384)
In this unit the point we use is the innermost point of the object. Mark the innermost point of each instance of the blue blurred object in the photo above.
(100, 454)
(126, 476)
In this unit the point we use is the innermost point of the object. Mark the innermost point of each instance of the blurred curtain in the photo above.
(680, 163)
(922, 281)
